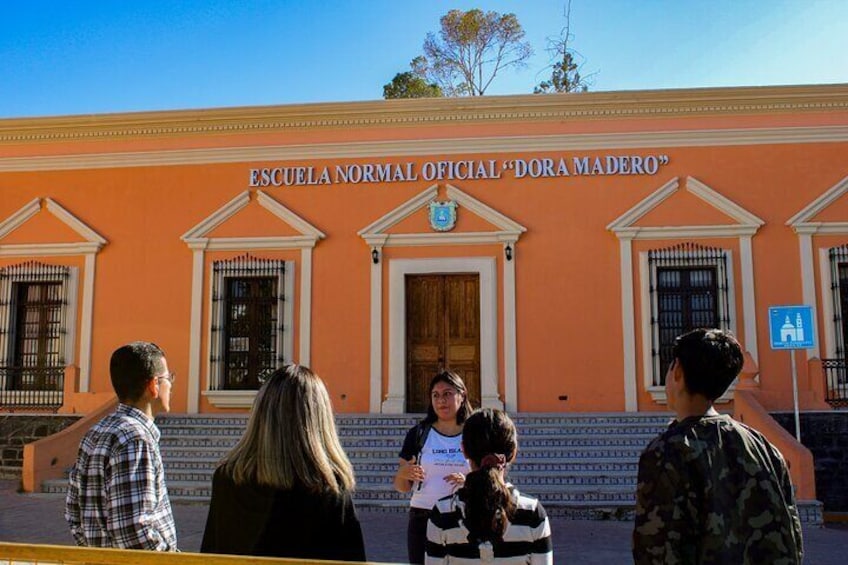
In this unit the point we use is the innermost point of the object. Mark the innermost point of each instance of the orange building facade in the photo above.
(547, 247)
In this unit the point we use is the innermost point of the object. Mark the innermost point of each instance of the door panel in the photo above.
(442, 332)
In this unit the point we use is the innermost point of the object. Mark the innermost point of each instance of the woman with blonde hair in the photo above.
(285, 489)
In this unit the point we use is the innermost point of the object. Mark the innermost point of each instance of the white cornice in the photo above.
(73, 222)
(217, 217)
(506, 230)
(488, 213)
(432, 111)
(93, 240)
(423, 147)
(468, 238)
(722, 203)
(401, 212)
(802, 218)
(821, 228)
(49, 249)
(20, 217)
(288, 216)
(623, 222)
(676, 232)
(244, 243)
(196, 238)
(624, 229)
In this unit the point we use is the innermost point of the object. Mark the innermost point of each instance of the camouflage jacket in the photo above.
(712, 490)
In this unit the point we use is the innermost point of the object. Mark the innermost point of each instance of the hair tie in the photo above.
(493, 460)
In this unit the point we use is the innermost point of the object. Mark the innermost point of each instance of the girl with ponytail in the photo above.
(488, 520)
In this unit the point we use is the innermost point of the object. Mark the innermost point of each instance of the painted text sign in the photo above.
(462, 169)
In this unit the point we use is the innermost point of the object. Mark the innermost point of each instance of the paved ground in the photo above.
(37, 518)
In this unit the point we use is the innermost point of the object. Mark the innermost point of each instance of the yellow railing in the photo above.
(25, 554)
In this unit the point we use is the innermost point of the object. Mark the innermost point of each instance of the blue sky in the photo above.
(79, 57)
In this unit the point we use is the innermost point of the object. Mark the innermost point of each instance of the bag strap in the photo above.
(422, 431)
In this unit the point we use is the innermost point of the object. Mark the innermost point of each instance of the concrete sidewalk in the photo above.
(38, 518)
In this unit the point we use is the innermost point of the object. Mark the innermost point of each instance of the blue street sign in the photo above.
(792, 327)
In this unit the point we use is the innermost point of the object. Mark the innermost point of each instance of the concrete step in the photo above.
(9, 472)
(581, 465)
(526, 442)
(372, 479)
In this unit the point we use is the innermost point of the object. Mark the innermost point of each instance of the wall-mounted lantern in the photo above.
(375, 255)
(508, 252)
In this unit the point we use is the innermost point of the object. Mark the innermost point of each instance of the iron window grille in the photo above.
(34, 322)
(836, 369)
(839, 293)
(688, 289)
(248, 321)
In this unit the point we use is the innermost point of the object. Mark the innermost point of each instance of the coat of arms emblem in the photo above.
(443, 215)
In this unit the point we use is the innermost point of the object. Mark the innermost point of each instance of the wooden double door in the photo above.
(442, 333)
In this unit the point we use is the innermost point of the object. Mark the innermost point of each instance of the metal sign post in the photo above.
(795, 396)
(792, 327)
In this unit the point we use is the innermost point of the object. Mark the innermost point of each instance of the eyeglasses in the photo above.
(446, 395)
(170, 377)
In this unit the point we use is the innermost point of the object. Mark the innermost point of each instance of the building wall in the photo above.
(144, 181)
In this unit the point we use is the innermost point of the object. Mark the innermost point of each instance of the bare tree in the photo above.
(565, 70)
(470, 50)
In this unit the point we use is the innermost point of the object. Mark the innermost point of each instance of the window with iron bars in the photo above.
(688, 289)
(34, 318)
(836, 368)
(250, 314)
(839, 289)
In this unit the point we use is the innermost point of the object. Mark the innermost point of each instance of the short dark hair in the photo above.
(710, 358)
(132, 366)
(454, 380)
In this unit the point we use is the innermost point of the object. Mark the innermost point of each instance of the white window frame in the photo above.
(650, 335)
(628, 228)
(69, 315)
(197, 239)
(285, 338)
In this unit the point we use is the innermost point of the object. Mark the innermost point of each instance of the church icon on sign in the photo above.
(792, 332)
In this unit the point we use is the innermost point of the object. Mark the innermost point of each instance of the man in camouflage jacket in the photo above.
(712, 490)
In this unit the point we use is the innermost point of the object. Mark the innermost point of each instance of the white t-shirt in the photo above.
(441, 456)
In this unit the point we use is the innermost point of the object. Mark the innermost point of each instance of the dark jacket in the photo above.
(253, 520)
(713, 490)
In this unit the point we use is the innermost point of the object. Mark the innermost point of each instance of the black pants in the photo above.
(416, 534)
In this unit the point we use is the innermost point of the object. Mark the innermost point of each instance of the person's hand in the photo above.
(456, 480)
(411, 471)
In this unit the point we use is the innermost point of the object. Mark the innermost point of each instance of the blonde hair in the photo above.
(291, 438)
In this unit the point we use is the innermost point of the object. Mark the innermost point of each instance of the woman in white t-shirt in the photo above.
(432, 464)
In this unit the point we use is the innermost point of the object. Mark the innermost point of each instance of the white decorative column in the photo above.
(510, 361)
(306, 306)
(808, 289)
(87, 317)
(749, 306)
(628, 323)
(193, 402)
(376, 357)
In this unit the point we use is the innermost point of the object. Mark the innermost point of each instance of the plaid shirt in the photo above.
(116, 493)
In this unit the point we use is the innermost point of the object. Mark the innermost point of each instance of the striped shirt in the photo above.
(116, 490)
(527, 539)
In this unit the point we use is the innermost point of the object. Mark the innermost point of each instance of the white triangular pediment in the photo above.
(803, 220)
(198, 236)
(506, 230)
(746, 223)
(92, 240)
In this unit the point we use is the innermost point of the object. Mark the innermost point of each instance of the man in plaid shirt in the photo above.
(116, 492)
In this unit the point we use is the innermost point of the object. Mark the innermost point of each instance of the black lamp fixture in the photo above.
(375, 255)
(508, 252)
